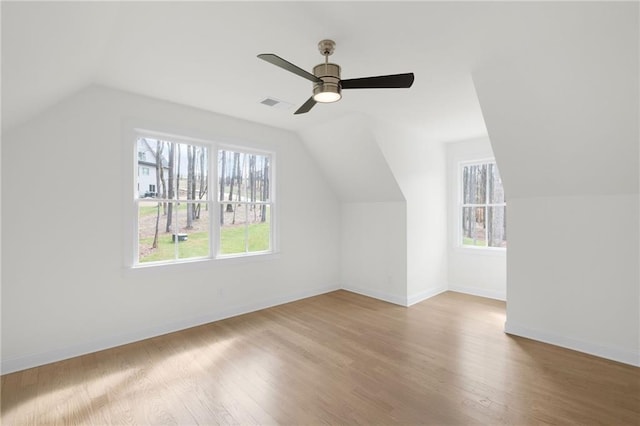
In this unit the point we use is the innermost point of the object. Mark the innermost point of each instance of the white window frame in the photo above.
(132, 194)
(271, 203)
(460, 206)
(137, 200)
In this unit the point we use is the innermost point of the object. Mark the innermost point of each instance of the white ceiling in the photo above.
(203, 54)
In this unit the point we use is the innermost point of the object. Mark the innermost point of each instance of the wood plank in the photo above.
(338, 358)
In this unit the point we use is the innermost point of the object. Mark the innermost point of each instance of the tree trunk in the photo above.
(236, 160)
(155, 235)
(191, 183)
(222, 176)
(265, 189)
(202, 181)
(252, 184)
(159, 146)
(171, 184)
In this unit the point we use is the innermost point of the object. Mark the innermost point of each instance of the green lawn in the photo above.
(469, 242)
(147, 209)
(232, 238)
(197, 244)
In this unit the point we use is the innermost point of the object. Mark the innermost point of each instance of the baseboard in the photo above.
(613, 353)
(33, 360)
(491, 294)
(424, 295)
(386, 297)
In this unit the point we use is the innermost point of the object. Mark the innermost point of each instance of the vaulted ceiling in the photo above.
(558, 80)
(203, 54)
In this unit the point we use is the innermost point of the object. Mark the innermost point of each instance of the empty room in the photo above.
(320, 212)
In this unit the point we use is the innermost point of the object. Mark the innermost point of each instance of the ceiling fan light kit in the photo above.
(327, 85)
(329, 90)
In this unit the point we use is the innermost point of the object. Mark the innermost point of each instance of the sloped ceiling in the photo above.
(353, 163)
(563, 120)
(203, 54)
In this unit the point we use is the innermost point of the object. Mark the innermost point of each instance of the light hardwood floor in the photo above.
(338, 358)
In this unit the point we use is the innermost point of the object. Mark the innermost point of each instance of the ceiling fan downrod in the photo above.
(329, 89)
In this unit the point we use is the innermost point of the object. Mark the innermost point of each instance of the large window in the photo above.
(483, 214)
(245, 202)
(183, 213)
(173, 217)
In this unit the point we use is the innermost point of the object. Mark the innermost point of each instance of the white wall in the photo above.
(419, 167)
(374, 250)
(573, 277)
(563, 123)
(373, 210)
(65, 290)
(399, 246)
(351, 160)
(473, 271)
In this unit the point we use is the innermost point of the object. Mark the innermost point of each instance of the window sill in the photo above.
(481, 251)
(248, 257)
(200, 263)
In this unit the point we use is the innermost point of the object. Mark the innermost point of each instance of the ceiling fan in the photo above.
(327, 85)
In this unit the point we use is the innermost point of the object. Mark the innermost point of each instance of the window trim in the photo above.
(131, 196)
(460, 205)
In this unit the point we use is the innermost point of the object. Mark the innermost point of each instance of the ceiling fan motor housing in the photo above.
(330, 75)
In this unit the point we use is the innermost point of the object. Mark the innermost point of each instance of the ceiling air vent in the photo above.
(270, 102)
(276, 103)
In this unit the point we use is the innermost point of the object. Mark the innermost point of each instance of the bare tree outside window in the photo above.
(483, 209)
(172, 225)
(244, 179)
(178, 218)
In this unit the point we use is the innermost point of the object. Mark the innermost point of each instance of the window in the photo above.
(483, 214)
(245, 202)
(187, 215)
(174, 224)
(142, 156)
(145, 171)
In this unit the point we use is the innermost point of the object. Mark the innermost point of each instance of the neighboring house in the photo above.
(147, 175)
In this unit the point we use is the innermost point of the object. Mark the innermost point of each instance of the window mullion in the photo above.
(486, 208)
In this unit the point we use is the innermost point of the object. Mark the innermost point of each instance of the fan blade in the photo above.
(395, 81)
(306, 107)
(279, 62)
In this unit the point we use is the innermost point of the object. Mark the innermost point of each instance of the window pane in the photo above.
(147, 176)
(473, 226)
(497, 221)
(494, 182)
(154, 244)
(233, 231)
(188, 171)
(258, 177)
(193, 230)
(474, 178)
(259, 227)
(243, 177)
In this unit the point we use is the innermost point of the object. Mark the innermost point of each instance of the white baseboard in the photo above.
(33, 360)
(491, 294)
(386, 297)
(623, 355)
(424, 295)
